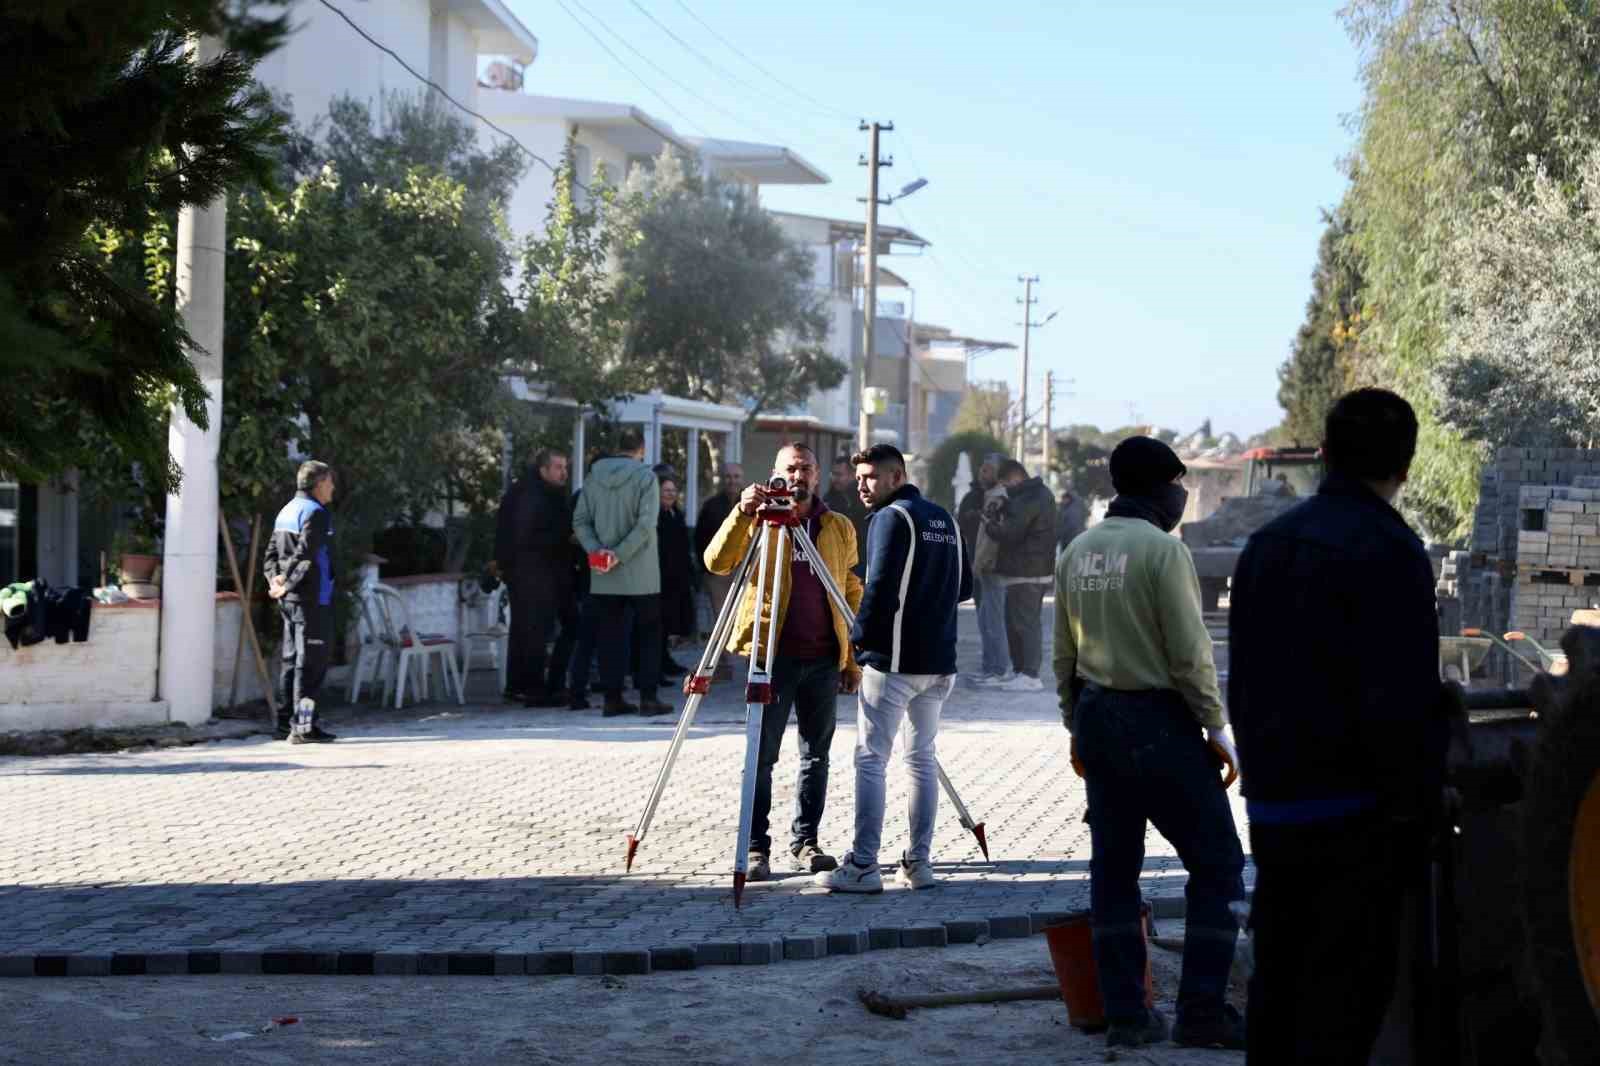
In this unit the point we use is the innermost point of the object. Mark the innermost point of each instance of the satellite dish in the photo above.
(502, 75)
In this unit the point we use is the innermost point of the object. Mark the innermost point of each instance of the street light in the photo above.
(908, 190)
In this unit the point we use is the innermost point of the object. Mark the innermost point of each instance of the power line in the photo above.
(773, 77)
(651, 89)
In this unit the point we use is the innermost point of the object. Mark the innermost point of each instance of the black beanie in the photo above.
(1140, 465)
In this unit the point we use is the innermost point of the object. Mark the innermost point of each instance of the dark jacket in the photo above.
(969, 512)
(300, 551)
(850, 506)
(533, 531)
(712, 514)
(1334, 691)
(1026, 531)
(677, 574)
(1072, 518)
(917, 573)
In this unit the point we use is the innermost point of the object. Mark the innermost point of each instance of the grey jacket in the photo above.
(618, 509)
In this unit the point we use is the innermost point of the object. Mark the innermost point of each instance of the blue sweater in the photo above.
(916, 575)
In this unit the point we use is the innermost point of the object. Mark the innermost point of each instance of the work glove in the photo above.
(1221, 742)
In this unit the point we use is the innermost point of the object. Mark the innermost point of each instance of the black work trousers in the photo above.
(609, 618)
(811, 688)
(1025, 626)
(540, 601)
(1325, 919)
(307, 645)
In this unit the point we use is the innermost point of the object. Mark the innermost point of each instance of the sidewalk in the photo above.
(491, 839)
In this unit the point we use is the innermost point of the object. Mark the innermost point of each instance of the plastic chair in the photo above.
(495, 634)
(374, 651)
(411, 647)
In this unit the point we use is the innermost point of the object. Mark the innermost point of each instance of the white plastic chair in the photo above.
(410, 647)
(374, 650)
(494, 633)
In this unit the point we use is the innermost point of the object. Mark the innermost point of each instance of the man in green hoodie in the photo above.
(615, 521)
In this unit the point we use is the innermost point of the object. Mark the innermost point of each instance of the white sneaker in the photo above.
(1022, 683)
(995, 680)
(914, 875)
(849, 877)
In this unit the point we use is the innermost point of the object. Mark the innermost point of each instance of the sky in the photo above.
(1160, 166)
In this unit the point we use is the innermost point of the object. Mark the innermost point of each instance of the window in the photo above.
(9, 505)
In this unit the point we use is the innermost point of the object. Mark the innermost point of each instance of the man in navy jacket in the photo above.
(299, 572)
(905, 639)
(1338, 712)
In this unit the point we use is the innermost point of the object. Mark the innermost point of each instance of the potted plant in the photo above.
(138, 554)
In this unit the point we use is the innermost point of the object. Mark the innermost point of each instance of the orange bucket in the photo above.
(1071, 946)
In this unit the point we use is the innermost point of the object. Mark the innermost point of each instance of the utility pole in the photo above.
(1049, 407)
(1027, 301)
(869, 303)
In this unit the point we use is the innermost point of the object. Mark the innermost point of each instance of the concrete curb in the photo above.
(486, 962)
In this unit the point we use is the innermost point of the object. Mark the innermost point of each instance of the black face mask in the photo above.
(1162, 508)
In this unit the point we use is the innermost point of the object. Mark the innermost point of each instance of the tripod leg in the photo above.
(758, 690)
(843, 607)
(708, 665)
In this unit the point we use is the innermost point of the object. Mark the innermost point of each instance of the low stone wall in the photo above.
(109, 681)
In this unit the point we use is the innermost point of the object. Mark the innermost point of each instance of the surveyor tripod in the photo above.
(778, 525)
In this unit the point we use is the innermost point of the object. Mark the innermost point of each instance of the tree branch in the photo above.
(1477, 57)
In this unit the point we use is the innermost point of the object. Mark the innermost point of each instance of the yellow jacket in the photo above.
(836, 543)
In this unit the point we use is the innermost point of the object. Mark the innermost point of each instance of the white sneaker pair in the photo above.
(1021, 683)
(866, 880)
(993, 680)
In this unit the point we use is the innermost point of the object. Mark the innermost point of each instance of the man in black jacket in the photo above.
(535, 553)
(1025, 528)
(1337, 709)
(298, 566)
(905, 640)
(712, 514)
(843, 499)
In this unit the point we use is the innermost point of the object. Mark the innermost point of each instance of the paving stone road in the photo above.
(491, 839)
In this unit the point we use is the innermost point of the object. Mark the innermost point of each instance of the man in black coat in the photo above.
(1025, 529)
(843, 499)
(534, 553)
(1338, 713)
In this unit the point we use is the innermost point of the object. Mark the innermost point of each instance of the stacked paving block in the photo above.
(1506, 573)
(1558, 556)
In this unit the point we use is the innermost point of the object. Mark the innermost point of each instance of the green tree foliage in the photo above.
(1317, 370)
(727, 311)
(1458, 95)
(109, 127)
(370, 325)
(1522, 343)
(985, 408)
(946, 459)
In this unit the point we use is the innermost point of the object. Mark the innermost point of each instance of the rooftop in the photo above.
(757, 164)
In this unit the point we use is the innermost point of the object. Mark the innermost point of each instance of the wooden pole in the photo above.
(255, 642)
(245, 618)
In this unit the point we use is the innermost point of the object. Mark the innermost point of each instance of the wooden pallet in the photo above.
(1555, 575)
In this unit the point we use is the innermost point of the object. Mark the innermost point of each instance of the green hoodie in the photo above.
(618, 509)
(1128, 617)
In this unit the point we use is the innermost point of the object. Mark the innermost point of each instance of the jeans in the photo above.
(1347, 955)
(1025, 626)
(885, 700)
(1145, 759)
(992, 626)
(811, 687)
(607, 619)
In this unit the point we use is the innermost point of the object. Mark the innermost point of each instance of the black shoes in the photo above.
(652, 706)
(578, 702)
(317, 735)
(548, 698)
(1151, 1029)
(616, 705)
(1225, 1030)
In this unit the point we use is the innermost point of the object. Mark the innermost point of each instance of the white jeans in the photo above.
(885, 700)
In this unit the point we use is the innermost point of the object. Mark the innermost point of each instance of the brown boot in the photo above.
(616, 705)
(649, 705)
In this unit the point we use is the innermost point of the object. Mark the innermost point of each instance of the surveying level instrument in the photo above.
(770, 546)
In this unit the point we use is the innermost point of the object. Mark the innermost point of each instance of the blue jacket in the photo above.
(917, 572)
(1334, 691)
(301, 551)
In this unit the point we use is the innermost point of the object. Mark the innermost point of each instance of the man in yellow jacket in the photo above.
(814, 660)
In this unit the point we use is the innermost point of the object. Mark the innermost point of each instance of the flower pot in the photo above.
(139, 569)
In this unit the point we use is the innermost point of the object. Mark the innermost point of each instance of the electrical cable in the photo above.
(835, 112)
(651, 89)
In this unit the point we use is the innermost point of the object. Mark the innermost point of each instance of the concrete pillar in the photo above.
(691, 477)
(580, 448)
(189, 551)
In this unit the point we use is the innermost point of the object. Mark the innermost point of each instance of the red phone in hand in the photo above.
(600, 561)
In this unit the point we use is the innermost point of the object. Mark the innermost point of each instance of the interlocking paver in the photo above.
(463, 840)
